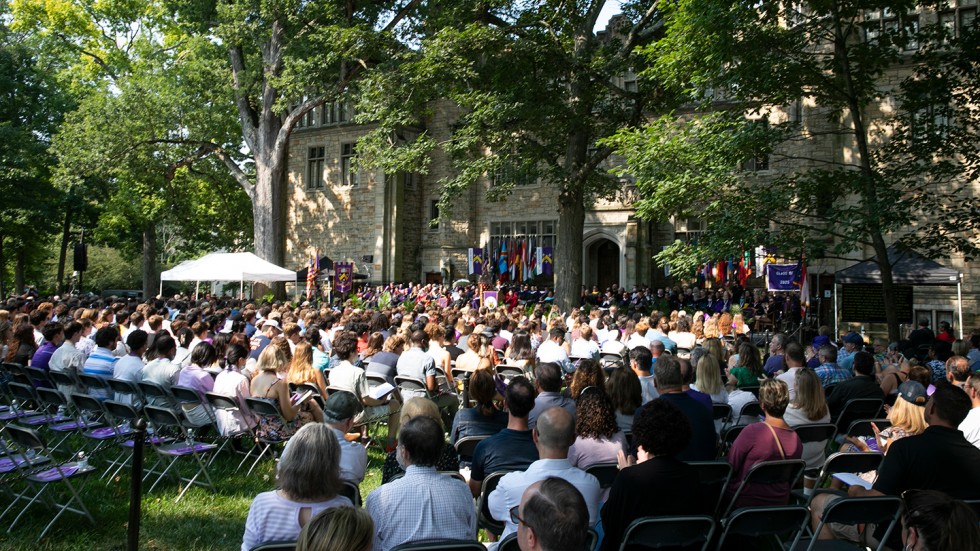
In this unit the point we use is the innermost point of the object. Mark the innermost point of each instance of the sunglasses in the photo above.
(515, 517)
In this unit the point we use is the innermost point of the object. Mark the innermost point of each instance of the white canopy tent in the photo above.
(239, 267)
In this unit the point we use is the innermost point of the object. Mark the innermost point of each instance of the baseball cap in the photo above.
(853, 338)
(341, 405)
(913, 392)
(272, 323)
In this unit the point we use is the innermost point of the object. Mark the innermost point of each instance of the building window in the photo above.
(538, 233)
(521, 175)
(411, 181)
(348, 175)
(337, 112)
(689, 230)
(434, 215)
(314, 167)
(630, 81)
(900, 27)
(958, 16)
(933, 121)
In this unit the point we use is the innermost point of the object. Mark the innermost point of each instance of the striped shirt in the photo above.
(102, 363)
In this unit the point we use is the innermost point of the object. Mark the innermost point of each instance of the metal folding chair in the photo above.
(124, 415)
(42, 478)
(98, 430)
(124, 390)
(605, 473)
(713, 477)
(466, 446)
(784, 523)
(673, 532)
(784, 471)
(164, 419)
(484, 519)
(265, 408)
(230, 405)
(878, 510)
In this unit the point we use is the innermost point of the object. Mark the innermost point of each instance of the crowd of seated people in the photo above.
(591, 387)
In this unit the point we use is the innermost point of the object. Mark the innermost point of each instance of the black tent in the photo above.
(908, 268)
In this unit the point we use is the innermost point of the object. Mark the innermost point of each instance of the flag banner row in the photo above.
(517, 260)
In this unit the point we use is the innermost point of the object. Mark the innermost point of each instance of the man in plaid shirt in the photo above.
(829, 372)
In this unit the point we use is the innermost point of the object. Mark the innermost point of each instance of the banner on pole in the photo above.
(490, 299)
(782, 277)
(344, 276)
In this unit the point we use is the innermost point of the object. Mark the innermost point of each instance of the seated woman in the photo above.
(470, 360)
(308, 476)
(584, 346)
(771, 440)
(267, 384)
(597, 436)
(809, 407)
(383, 363)
(348, 376)
(196, 376)
(230, 382)
(932, 520)
(448, 461)
(660, 431)
(520, 352)
(484, 419)
(708, 379)
(623, 388)
(301, 370)
(588, 374)
(338, 529)
(683, 336)
(748, 367)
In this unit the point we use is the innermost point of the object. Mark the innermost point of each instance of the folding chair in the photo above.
(265, 408)
(27, 397)
(465, 545)
(783, 471)
(63, 421)
(673, 531)
(817, 433)
(14, 465)
(508, 372)
(750, 414)
(483, 517)
(124, 415)
(787, 521)
(39, 377)
(65, 381)
(877, 510)
(714, 477)
(93, 415)
(41, 478)
(162, 418)
(862, 427)
(123, 388)
(605, 473)
(847, 462)
(95, 385)
(157, 395)
(188, 398)
(230, 405)
(858, 408)
(276, 546)
(351, 491)
(466, 446)
(723, 413)
(728, 437)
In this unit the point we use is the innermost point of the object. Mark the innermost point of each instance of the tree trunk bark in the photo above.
(3, 270)
(151, 279)
(568, 250)
(63, 249)
(19, 266)
(269, 205)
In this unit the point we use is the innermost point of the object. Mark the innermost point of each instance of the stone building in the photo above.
(384, 222)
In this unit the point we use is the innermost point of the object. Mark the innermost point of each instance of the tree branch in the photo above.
(246, 114)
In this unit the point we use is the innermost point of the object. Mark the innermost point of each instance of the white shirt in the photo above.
(233, 384)
(649, 389)
(511, 487)
(550, 351)
(353, 459)
(637, 340)
(971, 426)
(585, 349)
(272, 517)
(789, 377)
(128, 368)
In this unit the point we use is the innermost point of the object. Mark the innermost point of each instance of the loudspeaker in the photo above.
(81, 257)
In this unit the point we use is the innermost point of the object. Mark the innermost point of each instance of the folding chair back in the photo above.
(605, 473)
(508, 372)
(817, 432)
(673, 531)
(750, 414)
(862, 427)
(156, 394)
(442, 546)
(877, 510)
(93, 382)
(188, 447)
(713, 477)
(126, 388)
(484, 518)
(788, 521)
(728, 437)
(39, 377)
(722, 412)
(16, 373)
(858, 408)
(784, 471)
(412, 386)
(351, 491)
(466, 446)
(63, 379)
(849, 462)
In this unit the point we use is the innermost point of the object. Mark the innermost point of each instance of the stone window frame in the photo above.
(315, 165)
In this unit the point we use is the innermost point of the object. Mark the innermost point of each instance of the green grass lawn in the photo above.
(203, 519)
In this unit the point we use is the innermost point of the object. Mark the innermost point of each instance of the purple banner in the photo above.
(343, 276)
(781, 277)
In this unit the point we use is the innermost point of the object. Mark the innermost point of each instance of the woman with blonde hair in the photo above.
(338, 529)
(415, 407)
(708, 380)
(267, 384)
(907, 417)
(308, 477)
(711, 328)
(301, 370)
(809, 407)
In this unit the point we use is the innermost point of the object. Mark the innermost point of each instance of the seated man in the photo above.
(417, 364)
(939, 458)
(554, 434)
(547, 383)
(554, 516)
(424, 505)
(347, 376)
(670, 384)
(339, 412)
(511, 449)
(829, 372)
(862, 385)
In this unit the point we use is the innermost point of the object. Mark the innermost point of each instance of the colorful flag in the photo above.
(547, 261)
(803, 281)
(532, 260)
(502, 261)
(344, 276)
(475, 258)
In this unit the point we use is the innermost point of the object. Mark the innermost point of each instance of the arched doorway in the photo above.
(603, 261)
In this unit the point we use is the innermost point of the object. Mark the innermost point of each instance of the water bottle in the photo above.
(190, 437)
(61, 412)
(82, 460)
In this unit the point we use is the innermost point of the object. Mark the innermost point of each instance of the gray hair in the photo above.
(310, 466)
(828, 352)
(667, 373)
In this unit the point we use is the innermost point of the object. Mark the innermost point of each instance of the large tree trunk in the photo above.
(568, 250)
(151, 279)
(63, 249)
(269, 201)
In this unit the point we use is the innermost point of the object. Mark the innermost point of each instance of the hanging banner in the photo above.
(782, 277)
(547, 261)
(344, 276)
(475, 261)
(490, 299)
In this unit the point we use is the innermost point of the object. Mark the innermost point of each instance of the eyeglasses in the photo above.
(516, 518)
